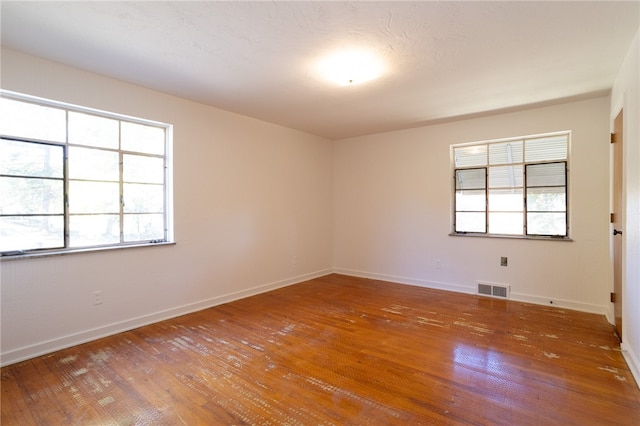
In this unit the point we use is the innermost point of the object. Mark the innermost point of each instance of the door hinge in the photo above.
(613, 298)
(613, 138)
(612, 217)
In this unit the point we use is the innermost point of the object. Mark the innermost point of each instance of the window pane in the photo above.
(32, 121)
(471, 179)
(546, 149)
(470, 156)
(93, 230)
(141, 198)
(141, 138)
(506, 223)
(505, 153)
(31, 159)
(505, 177)
(33, 232)
(531, 167)
(85, 129)
(471, 200)
(143, 227)
(94, 197)
(552, 174)
(546, 224)
(506, 200)
(93, 164)
(470, 222)
(78, 171)
(546, 199)
(31, 196)
(143, 169)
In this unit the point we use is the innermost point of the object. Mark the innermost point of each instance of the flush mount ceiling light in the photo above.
(350, 67)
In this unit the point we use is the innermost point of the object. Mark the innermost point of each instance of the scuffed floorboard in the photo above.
(338, 351)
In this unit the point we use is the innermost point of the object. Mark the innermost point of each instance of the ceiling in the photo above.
(443, 60)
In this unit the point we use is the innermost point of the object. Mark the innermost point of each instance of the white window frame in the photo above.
(167, 157)
(524, 165)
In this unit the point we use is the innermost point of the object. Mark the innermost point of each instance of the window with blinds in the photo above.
(514, 187)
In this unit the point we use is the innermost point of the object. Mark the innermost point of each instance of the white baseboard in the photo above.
(407, 280)
(42, 348)
(518, 297)
(632, 362)
(610, 315)
(560, 303)
(49, 346)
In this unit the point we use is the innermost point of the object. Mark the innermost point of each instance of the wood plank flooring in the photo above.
(338, 350)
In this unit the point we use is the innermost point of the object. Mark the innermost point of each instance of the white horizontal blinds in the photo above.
(546, 175)
(470, 200)
(547, 199)
(32, 121)
(507, 177)
(471, 189)
(551, 148)
(505, 190)
(32, 202)
(470, 156)
(506, 152)
(546, 195)
(505, 200)
(143, 188)
(471, 179)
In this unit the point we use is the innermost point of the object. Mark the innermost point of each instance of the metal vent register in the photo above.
(493, 290)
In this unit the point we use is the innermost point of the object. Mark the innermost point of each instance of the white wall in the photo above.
(626, 95)
(259, 206)
(392, 211)
(253, 211)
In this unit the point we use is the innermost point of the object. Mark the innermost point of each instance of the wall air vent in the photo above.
(493, 290)
(484, 289)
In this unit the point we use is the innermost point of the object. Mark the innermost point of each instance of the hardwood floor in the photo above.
(338, 351)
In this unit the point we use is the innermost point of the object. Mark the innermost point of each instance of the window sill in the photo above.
(49, 253)
(512, 237)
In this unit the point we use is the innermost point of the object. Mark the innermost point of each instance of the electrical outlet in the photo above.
(503, 261)
(438, 264)
(97, 297)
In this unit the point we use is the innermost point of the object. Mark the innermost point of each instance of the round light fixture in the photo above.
(350, 67)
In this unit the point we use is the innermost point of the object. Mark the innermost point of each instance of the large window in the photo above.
(514, 187)
(74, 178)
